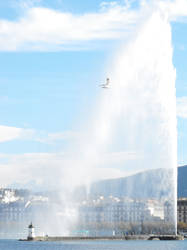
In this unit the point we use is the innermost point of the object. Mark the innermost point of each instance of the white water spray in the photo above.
(134, 126)
(136, 117)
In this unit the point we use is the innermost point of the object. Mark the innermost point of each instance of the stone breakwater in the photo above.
(128, 237)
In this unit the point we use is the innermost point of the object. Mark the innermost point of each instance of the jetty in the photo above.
(32, 237)
(88, 238)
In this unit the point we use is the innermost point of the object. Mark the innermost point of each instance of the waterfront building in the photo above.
(182, 210)
(117, 210)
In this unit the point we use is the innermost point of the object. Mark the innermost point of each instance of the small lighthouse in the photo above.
(31, 234)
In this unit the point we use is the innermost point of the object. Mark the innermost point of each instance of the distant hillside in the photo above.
(147, 184)
(182, 181)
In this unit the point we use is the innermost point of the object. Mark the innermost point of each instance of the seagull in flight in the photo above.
(105, 85)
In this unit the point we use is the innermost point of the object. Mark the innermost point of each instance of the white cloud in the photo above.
(28, 3)
(8, 133)
(40, 28)
(50, 170)
(11, 133)
(54, 137)
(57, 170)
(38, 167)
(182, 107)
(44, 29)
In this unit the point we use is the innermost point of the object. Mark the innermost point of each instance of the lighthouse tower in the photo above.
(31, 233)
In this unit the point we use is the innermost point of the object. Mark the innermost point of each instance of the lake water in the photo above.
(94, 245)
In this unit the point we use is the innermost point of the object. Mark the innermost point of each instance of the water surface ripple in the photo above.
(94, 245)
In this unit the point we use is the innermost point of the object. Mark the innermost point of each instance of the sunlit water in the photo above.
(94, 245)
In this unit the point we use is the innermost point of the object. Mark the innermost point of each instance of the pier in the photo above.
(127, 237)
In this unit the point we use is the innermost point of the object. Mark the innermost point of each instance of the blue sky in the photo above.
(53, 56)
